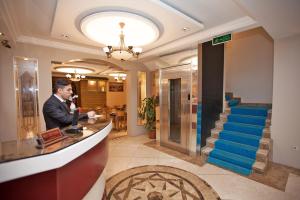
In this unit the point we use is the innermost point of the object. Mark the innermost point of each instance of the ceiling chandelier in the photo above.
(118, 76)
(76, 77)
(74, 73)
(122, 33)
(122, 52)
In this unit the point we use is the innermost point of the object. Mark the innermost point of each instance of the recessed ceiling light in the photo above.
(25, 58)
(186, 29)
(66, 36)
(1, 33)
(104, 28)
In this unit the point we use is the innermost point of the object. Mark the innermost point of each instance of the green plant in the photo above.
(147, 112)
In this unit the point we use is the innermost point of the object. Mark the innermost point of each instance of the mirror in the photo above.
(141, 92)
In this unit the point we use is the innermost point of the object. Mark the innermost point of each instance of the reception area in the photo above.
(124, 99)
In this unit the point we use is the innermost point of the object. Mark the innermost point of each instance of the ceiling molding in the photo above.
(203, 36)
(58, 45)
(9, 20)
(178, 12)
(198, 37)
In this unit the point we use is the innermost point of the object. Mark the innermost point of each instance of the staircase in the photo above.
(240, 140)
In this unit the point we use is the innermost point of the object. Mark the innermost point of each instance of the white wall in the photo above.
(45, 55)
(249, 66)
(285, 129)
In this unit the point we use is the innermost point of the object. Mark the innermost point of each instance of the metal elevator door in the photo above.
(175, 90)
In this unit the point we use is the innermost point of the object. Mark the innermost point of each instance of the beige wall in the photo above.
(249, 66)
(116, 98)
(45, 55)
(285, 130)
(132, 80)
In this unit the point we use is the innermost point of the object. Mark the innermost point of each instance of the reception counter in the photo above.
(70, 169)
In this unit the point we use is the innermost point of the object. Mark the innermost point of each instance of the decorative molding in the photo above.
(178, 12)
(199, 37)
(58, 45)
(9, 20)
(203, 36)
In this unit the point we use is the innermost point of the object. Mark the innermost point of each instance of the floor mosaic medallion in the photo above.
(156, 182)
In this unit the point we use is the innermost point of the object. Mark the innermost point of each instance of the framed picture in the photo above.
(116, 86)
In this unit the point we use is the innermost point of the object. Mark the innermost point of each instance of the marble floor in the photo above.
(127, 152)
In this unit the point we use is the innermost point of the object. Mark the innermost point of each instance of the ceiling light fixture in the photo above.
(118, 76)
(76, 71)
(122, 33)
(76, 77)
(122, 52)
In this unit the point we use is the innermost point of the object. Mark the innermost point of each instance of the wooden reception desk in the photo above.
(68, 170)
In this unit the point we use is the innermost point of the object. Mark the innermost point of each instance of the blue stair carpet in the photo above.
(242, 161)
(227, 97)
(233, 102)
(238, 142)
(244, 128)
(237, 148)
(230, 166)
(199, 113)
(239, 137)
(249, 110)
(247, 119)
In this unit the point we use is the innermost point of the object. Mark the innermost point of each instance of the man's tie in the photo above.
(66, 106)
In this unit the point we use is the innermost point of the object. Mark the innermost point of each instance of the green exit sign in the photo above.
(221, 39)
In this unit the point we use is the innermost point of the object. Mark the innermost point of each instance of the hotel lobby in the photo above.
(170, 99)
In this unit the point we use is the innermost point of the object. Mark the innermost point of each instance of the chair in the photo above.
(121, 120)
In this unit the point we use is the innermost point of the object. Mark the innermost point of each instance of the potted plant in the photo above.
(147, 113)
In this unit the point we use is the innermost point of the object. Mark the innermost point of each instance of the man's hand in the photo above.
(91, 114)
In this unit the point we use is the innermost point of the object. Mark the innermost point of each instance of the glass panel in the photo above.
(175, 110)
(26, 88)
(141, 93)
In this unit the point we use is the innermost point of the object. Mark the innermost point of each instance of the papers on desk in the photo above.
(97, 116)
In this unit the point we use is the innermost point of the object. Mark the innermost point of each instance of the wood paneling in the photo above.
(91, 99)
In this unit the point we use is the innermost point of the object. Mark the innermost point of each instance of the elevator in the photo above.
(175, 107)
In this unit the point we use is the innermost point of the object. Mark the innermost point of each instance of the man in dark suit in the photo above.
(55, 110)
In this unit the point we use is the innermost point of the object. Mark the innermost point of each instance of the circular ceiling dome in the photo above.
(104, 27)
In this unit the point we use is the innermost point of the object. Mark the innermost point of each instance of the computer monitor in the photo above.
(75, 117)
(75, 128)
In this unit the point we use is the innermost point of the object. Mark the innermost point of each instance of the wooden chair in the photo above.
(121, 120)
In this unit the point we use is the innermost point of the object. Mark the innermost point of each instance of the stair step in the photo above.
(243, 128)
(239, 137)
(233, 147)
(232, 158)
(219, 124)
(249, 110)
(228, 95)
(259, 167)
(247, 119)
(237, 148)
(233, 102)
(230, 166)
(264, 143)
(206, 150)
